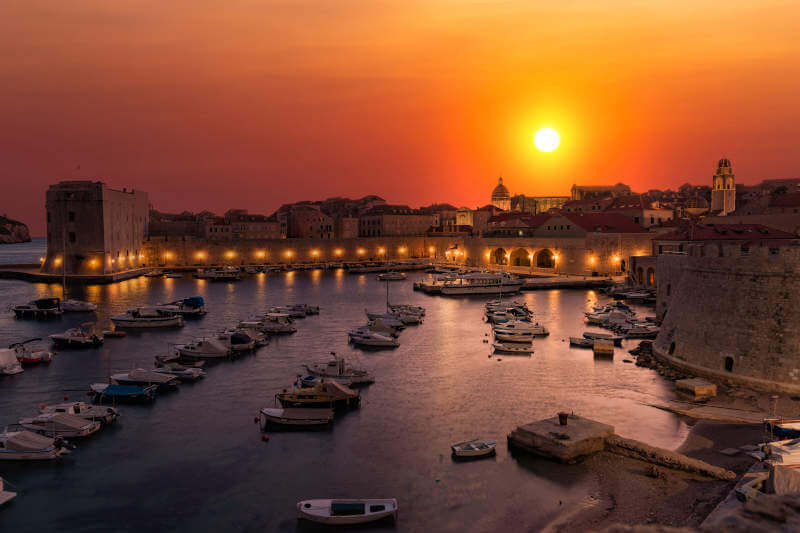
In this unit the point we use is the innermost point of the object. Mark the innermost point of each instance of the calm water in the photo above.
(24, 252)
(195, 461)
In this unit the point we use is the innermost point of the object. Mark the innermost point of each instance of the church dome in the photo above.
(500, 191)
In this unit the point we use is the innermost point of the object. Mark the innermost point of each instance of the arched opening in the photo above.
(499, 256)
(651, 276)
(671, 348)
(520, 257)
(545, 259)
(729, 364)
(622, 265)
(640, 276)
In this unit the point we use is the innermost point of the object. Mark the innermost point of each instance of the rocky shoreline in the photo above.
(13, 231)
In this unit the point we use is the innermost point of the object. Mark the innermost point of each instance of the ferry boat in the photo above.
(325, 394)
(147, 317)
(481, 283)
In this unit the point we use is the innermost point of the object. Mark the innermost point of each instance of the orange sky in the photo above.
(252, 103)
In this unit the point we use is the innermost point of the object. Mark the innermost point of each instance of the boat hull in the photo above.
(160, 322)
(319, 511)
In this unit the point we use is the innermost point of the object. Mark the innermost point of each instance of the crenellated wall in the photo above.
(732, 315)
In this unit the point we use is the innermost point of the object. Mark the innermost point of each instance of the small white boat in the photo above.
(203, 349)
(99, 413)
(194, 306)
(77, 306)
(147, 317)
(80, 337)
(474, 448)
(181, 372)
(519, 348)
(173, 275)
(9, 365)
(615, 339)
(514, 326)
(276, 323)
(5, 495)
(390, 319)
(392, 276)
(347, 512)
(581, 342)
(154, 273)
(144, 378)
(337, 369)
(407, 308)
(516, 336)
(29, 446)
(296, 417)
(60, 425)
(31, 355)
(372, 339)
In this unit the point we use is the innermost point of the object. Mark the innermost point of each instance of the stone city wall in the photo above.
(731, 315)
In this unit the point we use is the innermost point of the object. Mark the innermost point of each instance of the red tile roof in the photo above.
(718, 232)
(791, 199)
(604, 222)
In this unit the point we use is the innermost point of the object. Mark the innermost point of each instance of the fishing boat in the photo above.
(60, 425)
(203, 349)
(96, 413)
(29, 446)
(372, 339)
(147, 317)
(193, 306)
(154, 273)
(30, 355)
(581, 342)
(617, 340)
(43, 308)
(295, 418)
(5, 495)
(347, 512)
(183, 373)
(513, 348)
(110, 392)
(146, 378)
(80, 337)
(325, 394)
(77, 306)
(391, 276)
(474, 448)
(337, 368)
(9, 365)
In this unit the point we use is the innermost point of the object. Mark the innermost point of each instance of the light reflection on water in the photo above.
(194, 460)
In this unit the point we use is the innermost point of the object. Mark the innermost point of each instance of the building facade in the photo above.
(501, 198)
(395, 220)
(723, 190)
(94, 229)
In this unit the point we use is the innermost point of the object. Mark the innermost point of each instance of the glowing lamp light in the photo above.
(41, 259)
(402, 249)
(431, 249)
(592, 260)
(381, 250)
(57, 260)
(168, 255)
(338, 251)
(555, 257)
(315, 253)
(131, 257)
(261, 253)
(488, 255)
(616, 259)
(230, 254)
(93, 263)
(289, 253)
(141, 256)
(360, 251)
(200, 255)
(530, 256)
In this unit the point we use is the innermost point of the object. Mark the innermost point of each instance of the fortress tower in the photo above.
(723, 190)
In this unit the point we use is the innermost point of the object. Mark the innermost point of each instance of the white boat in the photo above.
(372, 339)
(154, 273)
(77, 306)
(144, 378)
(203, 349)
(29, 446)
(228, 273)
(99, 413)
(147, 317)
(617, 340)
(516, 336)
(194, 306)
(60, 425)
(481, 283)
(337, 368)
(515, 326)
(391, 276)
(389, 319)
(293, 311)
(347, 512)
(181, 372)
(80, 337)
(9, 365)
(277, 323)
(474, 448)
(407, 308)
(5, 495)
(296, 417)
(376, 326)
(31, 355)
(518, 348)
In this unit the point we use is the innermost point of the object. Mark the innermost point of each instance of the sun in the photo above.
(546, 139)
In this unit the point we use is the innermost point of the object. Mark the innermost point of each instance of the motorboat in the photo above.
(310, 381)
(31, 355)
(581, 342)
(154, 273)
(146, 378)
(80, 337)
(277, 324)
(96, 413)
(42, 308)
(305, 308)
(346, 512)
(60, 425)
(77, 306)
(259, 338)
(111, 392)
(328, 393)
(372, 339)
(29, 446)
(337, 368)
(237, 341)
(514, 336)
(389, 319)
(513, 348)
(193, 306)
(173, 275)
(204, 349)
(147, 317)
(9, 364)
(292, 311)
(513, 326)
(295, 418)
(175, 358)
(481, 283)
(183, 373)
(407, 308)
(376, 326)
(5, 495)
(782, 428)
(474, 448)
(391, 276)
(617, 340)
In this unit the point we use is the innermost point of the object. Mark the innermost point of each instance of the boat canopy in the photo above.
(240, 338)
(194, 301)
(347, 509)
(25, 441)
(46, 303)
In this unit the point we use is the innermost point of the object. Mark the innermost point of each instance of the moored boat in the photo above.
(9, 365)
(154, 273)
(617, 340)
(103, 414)
(80, 337)
(296, 418)
(42, 308)
(337, 368)
(325, 394)
(60, 425)
(203, 349)
(77, 306)
(183, 373)
(513, 348)
(372, 339)
(391, 276)
(474, 448)
(147, 317)
(581, 342)
(146, 378)
(347, 512)
(5, 495)
(30, 355)
(29, 446)
(194, 306)
(110, 392)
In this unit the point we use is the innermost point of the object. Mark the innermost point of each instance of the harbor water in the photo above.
(195, 461)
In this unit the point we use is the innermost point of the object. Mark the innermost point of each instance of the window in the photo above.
(48, 216)
(72, 216)
(72, 236)
(652, 220)
(729, 364)
(636, 219)
(669, 289)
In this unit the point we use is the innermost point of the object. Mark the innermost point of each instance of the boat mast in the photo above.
(64, 261)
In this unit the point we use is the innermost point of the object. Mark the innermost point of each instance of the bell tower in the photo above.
(723, 189)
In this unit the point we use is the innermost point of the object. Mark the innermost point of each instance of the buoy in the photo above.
(265, 438)
(66, 398)
(255, 420)
(43, 406)
(498, 359)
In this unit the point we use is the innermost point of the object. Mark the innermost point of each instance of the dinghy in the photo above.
(346, 512)
(517, 348)
(296, 418)
(60, 425)
(29, 355)
(474, 448)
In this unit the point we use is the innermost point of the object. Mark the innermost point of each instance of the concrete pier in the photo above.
(579, 438)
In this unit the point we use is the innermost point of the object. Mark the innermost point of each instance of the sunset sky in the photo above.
(253, 103)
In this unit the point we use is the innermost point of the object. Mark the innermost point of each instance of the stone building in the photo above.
(476, 219)
(536, 205)
(304, 221)
(732, 315)
(94, 229)
(580, 192)
(394, 220)
(640, 209)
(501, 198)
(723, 190)
(239, 224)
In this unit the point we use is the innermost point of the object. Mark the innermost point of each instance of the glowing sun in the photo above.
(546, 139)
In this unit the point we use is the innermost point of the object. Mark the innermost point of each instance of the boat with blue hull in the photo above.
(112, 393)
